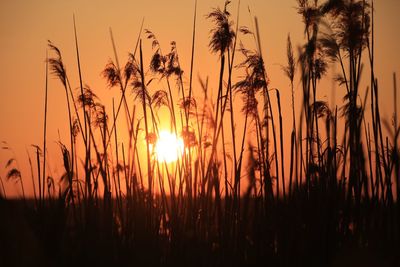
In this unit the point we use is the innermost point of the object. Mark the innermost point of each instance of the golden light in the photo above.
(168, 147)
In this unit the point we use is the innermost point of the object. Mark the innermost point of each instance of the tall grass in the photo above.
(122, 205)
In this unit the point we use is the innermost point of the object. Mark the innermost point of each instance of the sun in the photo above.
(168, 147)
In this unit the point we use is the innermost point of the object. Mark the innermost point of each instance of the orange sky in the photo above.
(25, 27)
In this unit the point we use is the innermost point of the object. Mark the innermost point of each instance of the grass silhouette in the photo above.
(119, 205)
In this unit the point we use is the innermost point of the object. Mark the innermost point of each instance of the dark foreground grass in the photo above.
(336, 204)
(299, 232)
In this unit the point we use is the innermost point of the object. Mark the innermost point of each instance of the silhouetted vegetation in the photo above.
(229, 199)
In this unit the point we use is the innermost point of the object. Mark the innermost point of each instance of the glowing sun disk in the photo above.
(168, 147)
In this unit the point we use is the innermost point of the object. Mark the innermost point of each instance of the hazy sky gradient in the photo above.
(25, 27)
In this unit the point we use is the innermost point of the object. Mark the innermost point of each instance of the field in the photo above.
(203, 192)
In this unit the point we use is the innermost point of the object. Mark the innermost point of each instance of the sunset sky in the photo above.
(25, 27)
